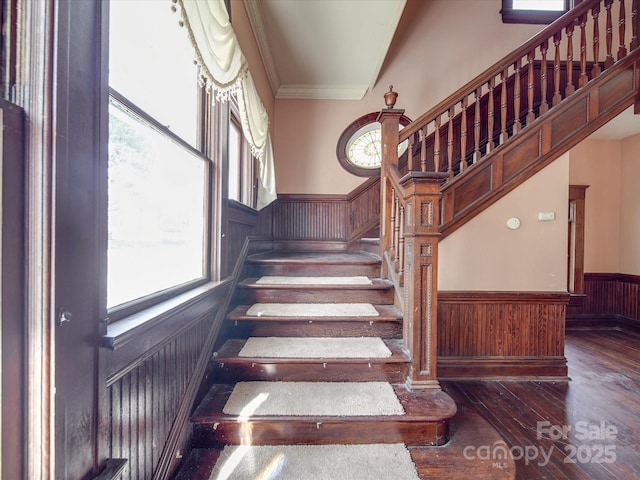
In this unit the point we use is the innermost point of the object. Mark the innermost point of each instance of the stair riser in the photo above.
(310, 295)
(301, 270)
(306, 328)
(308, 432)
(311, 372)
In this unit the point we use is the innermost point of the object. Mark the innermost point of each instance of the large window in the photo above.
(159, 176)
(243, 168)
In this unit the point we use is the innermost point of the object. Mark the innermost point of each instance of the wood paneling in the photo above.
(145, 400)
(610, 299)
(501, 334)
(332, 218)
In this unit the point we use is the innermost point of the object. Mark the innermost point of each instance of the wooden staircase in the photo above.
(428, 414)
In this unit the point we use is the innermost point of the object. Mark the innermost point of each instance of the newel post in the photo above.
(389, 119)
(420, 310)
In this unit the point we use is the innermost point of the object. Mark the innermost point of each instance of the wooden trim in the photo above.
(502, 368)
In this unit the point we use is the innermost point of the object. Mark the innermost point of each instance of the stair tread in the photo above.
(320, 258)
(386, 313)
(428, 406)
(376, 284)
(228, 353)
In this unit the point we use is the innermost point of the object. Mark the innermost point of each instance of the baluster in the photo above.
(436, 146)
(544, 105)
(635, 41)
(410, 165)
(401, 248)
(396, 233)
(490, 115)
(557, 97)
(503, 106)
(476, 126)
(450, 142)
(392, 223)
(608, 61)
(423, 149)
(622, 50)
(516, 98)
(596, 70)
(531, 116)
(583, 51)
(463, 135)
(570, 88)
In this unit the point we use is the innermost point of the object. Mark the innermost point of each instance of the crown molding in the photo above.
(255, 14)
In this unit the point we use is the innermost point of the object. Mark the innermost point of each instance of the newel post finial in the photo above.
(390, 97)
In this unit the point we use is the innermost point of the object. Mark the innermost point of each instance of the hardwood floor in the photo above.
(587, 428)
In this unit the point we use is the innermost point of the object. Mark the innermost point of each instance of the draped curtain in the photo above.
(224, 70)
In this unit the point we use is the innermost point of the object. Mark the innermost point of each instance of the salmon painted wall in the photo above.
(484, 254)
(439, 46)
(630, 206)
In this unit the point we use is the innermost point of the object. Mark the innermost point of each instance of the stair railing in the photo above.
(459, 132)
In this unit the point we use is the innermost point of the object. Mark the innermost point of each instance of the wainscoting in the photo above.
(326, 221)
(610, 300)
(492, 335)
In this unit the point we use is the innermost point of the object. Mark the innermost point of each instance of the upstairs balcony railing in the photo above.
(462, 131)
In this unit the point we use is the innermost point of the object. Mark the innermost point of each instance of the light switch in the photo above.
(546, 216)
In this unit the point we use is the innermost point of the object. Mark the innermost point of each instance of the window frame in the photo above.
(533, 17)
(209, 134)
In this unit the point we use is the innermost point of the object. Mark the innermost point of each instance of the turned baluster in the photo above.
(596, 70)
(436, 146)
(392, 223)
(570, 88)
(557, 97)
(396, 232)
(503, 106)
(463, 135)
(583, 51)
(608, 61)
(450, 143)
(622, 50)
(516, 98)
(401, 248)
(490, 116)
(635, 41)
(544, 105)
(531, 116)
(410, 165)
(476, 126)
(423, 149)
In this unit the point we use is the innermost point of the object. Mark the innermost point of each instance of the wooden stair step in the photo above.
(229, 367)
(425, 422)
(388, 324)
(380, 291)
(314, 263)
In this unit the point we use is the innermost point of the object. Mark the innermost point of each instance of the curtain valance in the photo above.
(224, 70)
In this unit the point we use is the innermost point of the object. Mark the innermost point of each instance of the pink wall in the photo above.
(630, 206)
(484, 254)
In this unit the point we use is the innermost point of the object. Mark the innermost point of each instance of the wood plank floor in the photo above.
(587, 428)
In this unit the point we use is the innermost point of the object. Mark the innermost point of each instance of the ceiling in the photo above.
(323, 49)
(334, 49)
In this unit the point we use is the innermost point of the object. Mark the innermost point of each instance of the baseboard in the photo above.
(502, 368)
(601, 322)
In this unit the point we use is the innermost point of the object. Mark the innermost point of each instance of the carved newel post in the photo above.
(419, 195)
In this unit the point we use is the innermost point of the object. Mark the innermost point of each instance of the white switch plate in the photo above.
(546, 216)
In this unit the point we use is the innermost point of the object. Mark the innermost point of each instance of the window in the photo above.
(242, 166)
(534, 11)
(159, 190)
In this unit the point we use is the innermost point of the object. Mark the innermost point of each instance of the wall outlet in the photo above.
(546, 216)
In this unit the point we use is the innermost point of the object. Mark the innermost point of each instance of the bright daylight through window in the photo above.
(158, 193)
(551, 5)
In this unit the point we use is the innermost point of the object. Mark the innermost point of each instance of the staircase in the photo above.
(426, 416)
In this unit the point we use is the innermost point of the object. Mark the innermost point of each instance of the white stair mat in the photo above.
(315, 347)
(315, 462)
(313, 399)
(312, 310)
(293, 280)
